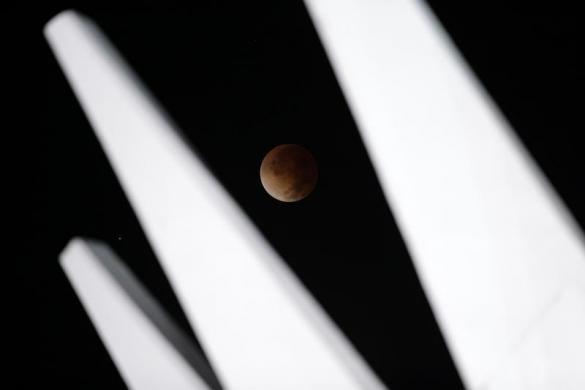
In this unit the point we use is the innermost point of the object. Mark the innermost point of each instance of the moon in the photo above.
(289, 173)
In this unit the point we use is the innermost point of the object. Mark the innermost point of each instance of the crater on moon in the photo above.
(289, 173)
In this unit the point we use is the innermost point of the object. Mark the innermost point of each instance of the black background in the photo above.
(240, 79)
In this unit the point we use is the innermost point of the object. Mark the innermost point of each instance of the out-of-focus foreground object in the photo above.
(148, 348)
(500, 257)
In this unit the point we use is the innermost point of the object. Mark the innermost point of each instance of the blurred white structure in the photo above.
(500, 258)
(148, 348)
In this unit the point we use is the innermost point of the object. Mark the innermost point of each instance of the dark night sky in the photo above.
(240, 79)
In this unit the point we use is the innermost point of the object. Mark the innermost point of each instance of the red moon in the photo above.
(289, 173)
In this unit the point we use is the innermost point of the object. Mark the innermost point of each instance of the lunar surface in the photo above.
(289, 173)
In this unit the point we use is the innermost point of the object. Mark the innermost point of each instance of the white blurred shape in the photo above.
(258, 325)
(147, 347)
(492, 244)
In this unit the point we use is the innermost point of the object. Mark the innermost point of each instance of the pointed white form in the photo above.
(148, 348)
(500, 258)
(258, 325)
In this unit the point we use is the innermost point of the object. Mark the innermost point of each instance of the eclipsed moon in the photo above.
(289, 173)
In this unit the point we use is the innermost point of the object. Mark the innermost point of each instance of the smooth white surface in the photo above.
(259, 326)
(143, 355)
(500, 259)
